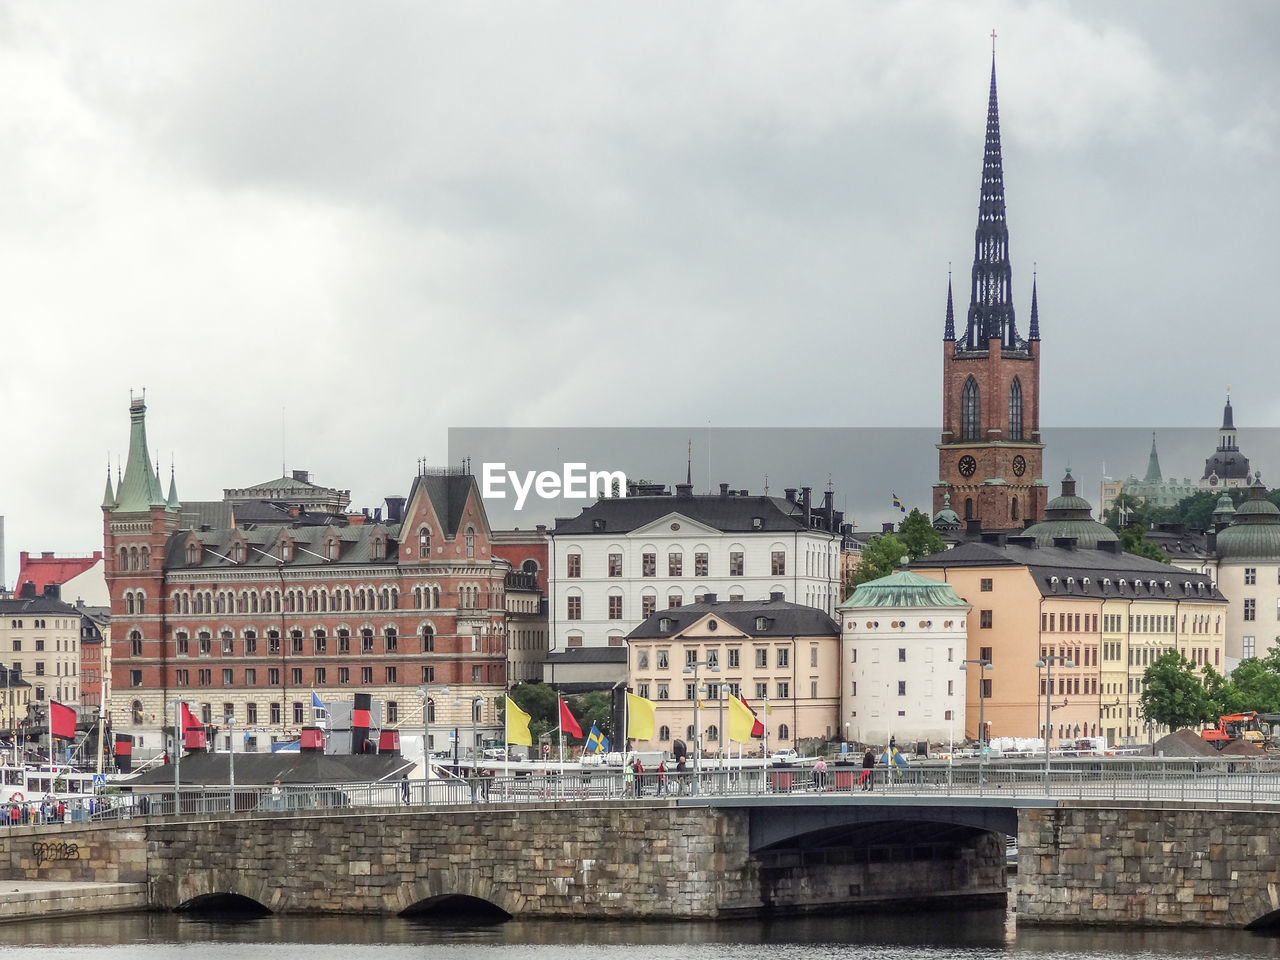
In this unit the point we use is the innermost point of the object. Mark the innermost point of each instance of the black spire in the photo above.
(1227, 419)
(1034, 333)
(990, 305)
(949, 332)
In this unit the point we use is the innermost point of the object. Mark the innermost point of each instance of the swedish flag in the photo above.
(596, 741)
(898, 503)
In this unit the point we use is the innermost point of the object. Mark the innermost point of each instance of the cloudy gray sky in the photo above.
(389, 219)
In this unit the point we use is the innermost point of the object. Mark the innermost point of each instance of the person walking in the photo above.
(868, 768)
(820, 774)
(629, 779)
(662, 778)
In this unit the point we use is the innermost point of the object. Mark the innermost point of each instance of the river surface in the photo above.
(970, 935)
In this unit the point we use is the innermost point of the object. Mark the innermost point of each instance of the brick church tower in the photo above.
(989, 458)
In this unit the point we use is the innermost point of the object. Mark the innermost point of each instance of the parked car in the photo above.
(784, 756)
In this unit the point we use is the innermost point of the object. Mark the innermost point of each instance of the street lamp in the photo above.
(424, 694)
(231, 750)
(983, 666)
(1047, 662)
(692, 667)
(476, 705)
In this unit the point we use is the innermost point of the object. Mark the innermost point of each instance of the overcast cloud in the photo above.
(389, 219)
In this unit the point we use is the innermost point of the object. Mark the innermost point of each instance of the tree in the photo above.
(1173, 695)
(540, 702)
(1134, 539)
(918, 536)
(880, 557)
(593, 708)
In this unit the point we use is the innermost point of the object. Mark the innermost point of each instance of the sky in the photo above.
(320, 234)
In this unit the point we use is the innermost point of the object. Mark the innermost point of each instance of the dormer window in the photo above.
(331, 548)
(377, 548)
(597, 524)
(424, 544)
(757, 523)
(664, 625)
(237, 552)
(762, 623)
(193, 554)
(471, 542)
(286, 551)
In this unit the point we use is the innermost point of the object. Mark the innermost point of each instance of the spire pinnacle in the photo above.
(139, 488)
(688, 465)
(1153, 464)
(172, 503)
(1034, 332)
(109, 497)
(991, 314)
(949, 331)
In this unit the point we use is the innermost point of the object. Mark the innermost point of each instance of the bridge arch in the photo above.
(455, 906)
(773, 828)
(224, 905)
(459, 888)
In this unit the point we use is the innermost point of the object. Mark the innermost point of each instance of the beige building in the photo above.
(782, 658)
(1100, 617)
(40, 640)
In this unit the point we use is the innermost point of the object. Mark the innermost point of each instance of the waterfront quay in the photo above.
(1119, 842)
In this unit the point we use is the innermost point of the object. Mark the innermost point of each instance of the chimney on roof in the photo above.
(791, 494)
(46, 554)
(28, 591)
(996, 537)
(542, 529)
(742, 493)
(53, 591)
(1210, 541)
(708, 598)
(724, 489)
(377, 514)
(395, 509)
(808, 510)
(1066, 543)
(776, 596)
(886, 526)
(684, 489)
(302, 475)
(973, 527)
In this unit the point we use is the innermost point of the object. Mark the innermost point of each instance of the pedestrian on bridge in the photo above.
(868, 770)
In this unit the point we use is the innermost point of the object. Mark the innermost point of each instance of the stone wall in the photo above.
(1148, 864)
(609, 860)
(75, 853)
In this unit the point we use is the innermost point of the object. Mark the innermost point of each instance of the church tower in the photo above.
(989, 458)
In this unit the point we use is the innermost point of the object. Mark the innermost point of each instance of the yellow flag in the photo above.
(518, 725)
(640, 717)
(741, 721)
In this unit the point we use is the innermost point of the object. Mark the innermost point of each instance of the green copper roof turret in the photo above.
(109, 498)
(1153, 464)
(139, 488)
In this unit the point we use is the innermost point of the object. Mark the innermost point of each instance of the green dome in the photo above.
(1255, 532)
(1070, 516)
(946, 518)
(904, 589)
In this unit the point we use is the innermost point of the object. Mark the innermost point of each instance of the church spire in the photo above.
(139, 487)
(949, 332)
(1034, 332)
(172, 503)
(109, 498)
(1153, 464)
(990, 304)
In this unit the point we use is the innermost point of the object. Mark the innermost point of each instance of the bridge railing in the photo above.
(1213, 779)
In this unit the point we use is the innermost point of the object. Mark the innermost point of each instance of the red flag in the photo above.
(567, 723)
(189, 721)
(62, 720)
(757, 729)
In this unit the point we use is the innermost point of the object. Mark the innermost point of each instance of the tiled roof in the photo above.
(729, 514)
(589, 655)
(46, 570)
(781, 619)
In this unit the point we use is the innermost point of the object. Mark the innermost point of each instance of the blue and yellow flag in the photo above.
(898, 503)
(596, 741)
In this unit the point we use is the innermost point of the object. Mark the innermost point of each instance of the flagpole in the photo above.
(177, 753)
(559, 724)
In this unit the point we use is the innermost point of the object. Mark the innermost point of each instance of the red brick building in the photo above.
(245, 606)
(990, 454)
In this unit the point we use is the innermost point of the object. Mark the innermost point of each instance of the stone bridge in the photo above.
(1080, 861)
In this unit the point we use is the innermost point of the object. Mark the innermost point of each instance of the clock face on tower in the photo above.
(1019, 465)
(967, 465)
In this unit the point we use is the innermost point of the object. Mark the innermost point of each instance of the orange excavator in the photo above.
(1234, 726)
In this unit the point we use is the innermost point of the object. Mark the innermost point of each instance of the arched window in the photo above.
(424, 544)
(136, 711)
(971, 411)
(784, 732)
(968, 508)
(428, 639)
(1015, 409)
(664, 733)
(471, 541)
(192, 555)
(688, 732)
(135, 643)
(713, 733)
(1013, 509)
(128, 603)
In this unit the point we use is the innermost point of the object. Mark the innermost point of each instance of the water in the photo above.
(970, 935)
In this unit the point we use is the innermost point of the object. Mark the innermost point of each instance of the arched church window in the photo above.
(1015, 409)
(968, 508)
(971, 411)
(1013, 509)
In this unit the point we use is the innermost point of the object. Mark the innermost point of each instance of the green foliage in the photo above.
(1194, 512)
(1174, 696)
(592, 708)
(918, 536)
(540, 702)
(915, 538)
(880, 557)
(1133, 539)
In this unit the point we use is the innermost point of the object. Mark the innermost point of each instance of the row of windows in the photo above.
(425, 597)
(675, 564)
(39, 645)
(250, 646)
(1251, 576)
(971, 411)
(42, 624)
(206, 677)
(662, 658)
(713, 733)
(711, 692)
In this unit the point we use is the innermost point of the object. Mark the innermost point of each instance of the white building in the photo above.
(623, 559)
(902, 643)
